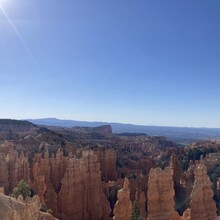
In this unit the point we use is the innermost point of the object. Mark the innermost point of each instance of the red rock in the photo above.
(202, 204)
(12, 209)
(160, 194)
(187, 214)
(4, 172)
(107, 160)
(41, 181)
(18, 169)
(123, 206)
(81, 195)
(175, 216)
(141, 200)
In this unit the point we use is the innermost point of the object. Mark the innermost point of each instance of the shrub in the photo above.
(135, 214)
(22, 188)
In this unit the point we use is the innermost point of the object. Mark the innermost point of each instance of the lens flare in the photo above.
(20, 37)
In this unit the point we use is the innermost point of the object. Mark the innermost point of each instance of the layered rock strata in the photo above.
(160, 194)
(12, 209)
(123, 206)
(141, 200)
(202, 204)
(81, 195)
(107, 160)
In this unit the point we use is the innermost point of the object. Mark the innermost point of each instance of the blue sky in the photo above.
(152, 62)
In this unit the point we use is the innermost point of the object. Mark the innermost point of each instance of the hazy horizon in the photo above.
(143, 62)
(111, 122)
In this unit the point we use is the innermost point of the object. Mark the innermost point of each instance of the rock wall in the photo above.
(202, 204)
(59, 182)
(160, 194)
(13, 168)
(12, 209)
(4, 172)
(41, 181)
(141, 199)
(123, 206)
(107, 160)
(81, 196)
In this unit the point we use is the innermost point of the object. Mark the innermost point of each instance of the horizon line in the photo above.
(110, 122)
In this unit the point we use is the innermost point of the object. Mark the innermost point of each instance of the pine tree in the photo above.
(135, 214)
(22, 188)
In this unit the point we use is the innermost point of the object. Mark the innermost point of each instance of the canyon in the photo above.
(93, 174)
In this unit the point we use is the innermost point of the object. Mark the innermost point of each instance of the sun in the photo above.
(2, 1)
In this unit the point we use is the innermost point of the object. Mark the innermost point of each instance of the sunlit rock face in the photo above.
(141, 200)
(12, 209)
(123, 206)
(202, 204)
(160, 194)
(4, 172)
(187, 214)
(41, 181)
(107, 160)
(60, 182)
(13, 168)
(81, 195)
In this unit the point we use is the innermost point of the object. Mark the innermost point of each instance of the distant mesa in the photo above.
(181, 135)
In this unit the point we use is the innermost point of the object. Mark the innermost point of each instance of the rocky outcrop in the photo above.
(177, 170)
(175, 216)
(81, 195)
(57, 169)
(123, 206)
(141, 199)
(202, 204)
(160, 194)
(187, 214)
(107, 160)
(137, 182)
(182, 186)
(12, 209)
(218, 185)
(18, 168)
(59, 182)
(4, 172)
(13, 168)
(40, 175)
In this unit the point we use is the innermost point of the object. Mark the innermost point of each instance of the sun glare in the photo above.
(2, 2)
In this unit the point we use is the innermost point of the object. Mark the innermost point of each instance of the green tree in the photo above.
(22, 188)
(135, 214)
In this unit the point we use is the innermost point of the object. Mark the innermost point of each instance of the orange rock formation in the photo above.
(12, 209)
(81, 195)
(160, 194)
(107, 160)
(141, 199)
(123, 206)
(202, 204)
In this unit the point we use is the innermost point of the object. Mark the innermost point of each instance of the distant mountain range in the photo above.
(181, 135)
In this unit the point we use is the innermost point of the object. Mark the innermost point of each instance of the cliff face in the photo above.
(141, 199)
(46, 175)
(218, 186)
(177, 171)
(18, 167)
(81, 195)
(160, 194)
(4, 172)
(107, 160)
(202, 204)
(12, 209)
(123, 206)
(60, 182)
(13, 168)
